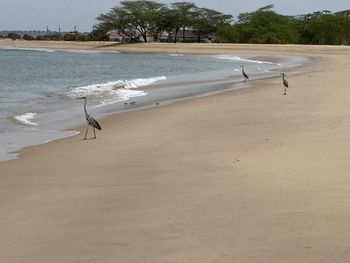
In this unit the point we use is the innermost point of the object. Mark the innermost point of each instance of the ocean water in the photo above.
(39, 87)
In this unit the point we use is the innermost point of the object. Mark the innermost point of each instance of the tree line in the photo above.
(73, 36)
(146, 20)
(265, 26)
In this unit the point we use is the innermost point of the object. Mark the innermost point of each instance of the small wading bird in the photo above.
(244, 74)
(90, 120)
(285, 84)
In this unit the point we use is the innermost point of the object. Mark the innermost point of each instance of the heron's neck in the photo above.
(85, 108)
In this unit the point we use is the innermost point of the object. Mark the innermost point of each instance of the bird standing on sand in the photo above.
(244, 74)
(285, 84)
(90, 120)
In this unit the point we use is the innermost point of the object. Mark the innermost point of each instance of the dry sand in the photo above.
(244, 176)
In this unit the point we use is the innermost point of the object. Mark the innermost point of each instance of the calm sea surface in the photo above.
(38, 87)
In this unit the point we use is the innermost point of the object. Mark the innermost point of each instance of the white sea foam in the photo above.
(143, 82)
(176, 54)
(83, 51)
(26, 117)
(120, 88)
(27, 49)
(58, 134)
(235, 58)
(122, 95)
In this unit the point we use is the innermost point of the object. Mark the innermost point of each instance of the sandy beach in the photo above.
(241, 176)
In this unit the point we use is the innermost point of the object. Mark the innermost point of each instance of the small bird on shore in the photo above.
(90, 120)
(285, 84)
(244, 74)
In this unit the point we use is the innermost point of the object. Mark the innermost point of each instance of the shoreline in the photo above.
(186, 48)
(58, 125)
(249, 175)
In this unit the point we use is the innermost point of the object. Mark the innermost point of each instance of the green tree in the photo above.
(28, 37)
(133, 17)
(170, 23)
(98, 34)
(207, 21)
(146, 18)
(14, 36)
(117, 18)
(184, 14)
(70, 37)
(175, 23)
(265, 26)
(227, 34)
(55, 36)
(162, 22)
(328, 29)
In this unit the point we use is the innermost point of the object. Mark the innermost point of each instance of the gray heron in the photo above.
(90, 120)
(285, 84)
(244, 74)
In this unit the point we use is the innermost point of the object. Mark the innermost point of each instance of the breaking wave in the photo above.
(26, 118)
(235, 58)
(27, 49)
(120, 90)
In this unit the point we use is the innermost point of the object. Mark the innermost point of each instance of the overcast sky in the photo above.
(37, 14)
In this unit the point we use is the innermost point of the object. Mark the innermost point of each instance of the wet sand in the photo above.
(240, 176)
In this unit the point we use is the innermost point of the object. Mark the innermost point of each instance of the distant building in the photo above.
(190, 36)
(155, 36)
(115, 35)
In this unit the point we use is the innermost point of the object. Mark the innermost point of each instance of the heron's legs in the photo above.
(94, 132)
(87, 128)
